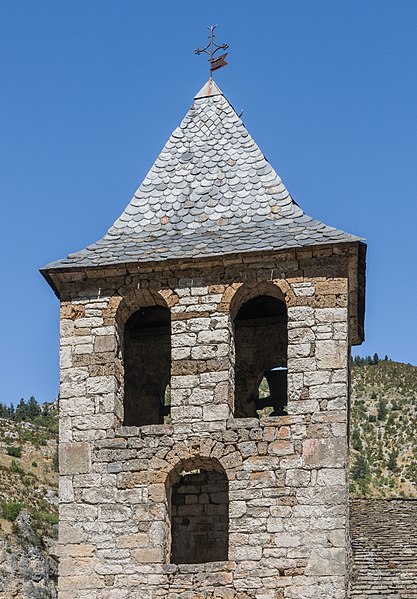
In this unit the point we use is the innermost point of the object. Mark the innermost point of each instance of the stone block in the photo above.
(326, 315)
(275, 524)
(66, 490)
(329, 391)
(88, 323)
(248, 448)
(216, 336)
(322, 453)
(132, 541)
(75, 550)
(321, 377)
(184, 340)
(71, 390)
(331, 354)
(301, 365)
(299, 350)
(148, 555)
(231, 460)
(76, 406)
(74, 458)
(70, 533)
(205, 352)
(181, 353)
(93, 422)
(246, 553)
(79, 583)
(216, 412)
(300, 406)
(331, 476)
(115, 513)
(71, 311)
(285, 539)
(237, 509)
(300, 335)
(281, 447)
(65, 357)
(296, 477)
(300, 316)
(104, 343)
(101, 384)
(184, 413)
(185, 381)
(324, 561)
(84, 348)
(303, 289)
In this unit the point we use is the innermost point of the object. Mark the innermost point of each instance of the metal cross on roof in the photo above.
(216, 62)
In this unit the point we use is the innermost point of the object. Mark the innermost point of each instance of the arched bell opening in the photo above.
(147, 366)
(261, 341)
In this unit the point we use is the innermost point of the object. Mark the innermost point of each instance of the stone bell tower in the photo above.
(204, 383)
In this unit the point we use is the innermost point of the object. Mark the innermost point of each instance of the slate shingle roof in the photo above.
(210, 192)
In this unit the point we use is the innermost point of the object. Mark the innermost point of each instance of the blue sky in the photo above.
(92, 89)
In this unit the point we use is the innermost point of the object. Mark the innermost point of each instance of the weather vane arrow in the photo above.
(216, 62)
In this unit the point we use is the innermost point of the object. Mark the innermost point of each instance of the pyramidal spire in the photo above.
(210, 192)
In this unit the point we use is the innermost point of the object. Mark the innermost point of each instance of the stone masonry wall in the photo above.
(286, 475)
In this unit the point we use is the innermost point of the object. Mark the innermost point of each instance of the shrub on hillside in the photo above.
(55, 461)
(392, 461)
(9, 510)
(360, 470)
(15, 452)
(14, 467)
(382, 409)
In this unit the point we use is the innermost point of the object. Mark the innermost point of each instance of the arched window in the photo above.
(200, 516)
(261, 341)
(147, 365)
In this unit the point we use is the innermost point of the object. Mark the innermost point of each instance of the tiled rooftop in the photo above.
(210, 192)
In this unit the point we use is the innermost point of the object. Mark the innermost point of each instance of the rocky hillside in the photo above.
(28, 506)
(383, 425)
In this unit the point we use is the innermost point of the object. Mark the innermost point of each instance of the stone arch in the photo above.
(143, 323)
(198, 503)
(134, 298)
(259, 317)
(236, 296)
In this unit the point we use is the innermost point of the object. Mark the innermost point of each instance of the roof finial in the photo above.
(215, 62)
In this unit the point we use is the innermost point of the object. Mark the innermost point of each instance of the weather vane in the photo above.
(216, 62)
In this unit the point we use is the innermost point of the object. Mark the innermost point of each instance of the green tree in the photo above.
(55, 461)
(382, 409)
(356, 440)
(392, 461)
(360, 470)
(33, 408)
(21, 411)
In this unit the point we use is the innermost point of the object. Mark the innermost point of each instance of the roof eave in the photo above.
(52, 272)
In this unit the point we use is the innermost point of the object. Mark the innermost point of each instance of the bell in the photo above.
(277, 381)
